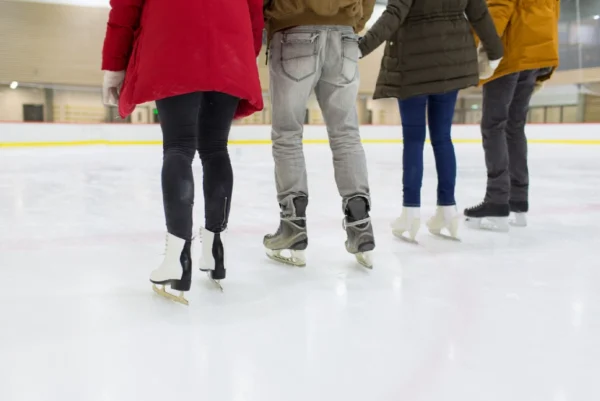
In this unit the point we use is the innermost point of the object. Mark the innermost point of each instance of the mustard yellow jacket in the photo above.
(529, 32)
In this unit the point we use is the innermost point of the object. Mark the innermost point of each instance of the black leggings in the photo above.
(196, 121)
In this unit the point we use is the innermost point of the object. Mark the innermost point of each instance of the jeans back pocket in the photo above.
(350, 53)
(299, 55)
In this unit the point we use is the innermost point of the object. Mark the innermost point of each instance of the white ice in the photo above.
(498, 317)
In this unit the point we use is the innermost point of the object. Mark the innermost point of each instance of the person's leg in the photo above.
(493, 212)
(516, 139)
(497, 97)
(179, 123)
(412, 113)
(214, 123)
(336, 93)
(439, 115)
(294, 70)
(293, 73)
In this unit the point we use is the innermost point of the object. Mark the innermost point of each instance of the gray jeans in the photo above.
(323, 58)
(505, 108)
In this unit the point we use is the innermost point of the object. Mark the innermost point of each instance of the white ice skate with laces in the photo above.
(407, 226)
(175, 270)
(447, 219)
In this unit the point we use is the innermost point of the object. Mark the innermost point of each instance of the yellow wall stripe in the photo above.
(268, 142)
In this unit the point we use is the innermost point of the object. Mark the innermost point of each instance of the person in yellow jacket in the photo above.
(529, 32)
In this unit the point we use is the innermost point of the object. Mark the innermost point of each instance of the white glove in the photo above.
(487, 67)
(113, 80)
(539, 85)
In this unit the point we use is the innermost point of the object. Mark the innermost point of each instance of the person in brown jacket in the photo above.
(430, 55)
(313, 45)
(529, 31)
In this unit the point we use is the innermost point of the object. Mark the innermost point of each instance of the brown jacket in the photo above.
(282, 14)
(529, 31)
(430, 48)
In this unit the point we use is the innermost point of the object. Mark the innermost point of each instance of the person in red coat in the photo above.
(197, 60)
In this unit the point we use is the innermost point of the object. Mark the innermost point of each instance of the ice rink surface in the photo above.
(498, 317)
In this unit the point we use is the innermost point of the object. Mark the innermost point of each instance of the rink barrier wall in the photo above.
(19, 135)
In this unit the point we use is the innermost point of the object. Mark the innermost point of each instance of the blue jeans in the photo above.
(440, 111)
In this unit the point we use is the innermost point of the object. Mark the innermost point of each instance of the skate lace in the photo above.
(281, 225)
(476, 206)
(346, 223)
(167, 242)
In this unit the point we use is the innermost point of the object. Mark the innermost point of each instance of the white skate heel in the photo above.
(213, 257)
(498, 224)
(408, 223)
(518, 219)
(446, 218)
(175, 270)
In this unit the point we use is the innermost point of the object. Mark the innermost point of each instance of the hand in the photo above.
(539, 85)
(113, 80)
(487, 67)
(360, 55)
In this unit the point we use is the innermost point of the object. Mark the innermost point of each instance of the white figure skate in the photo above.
(446, 218)
(175, 270)
(407, 226)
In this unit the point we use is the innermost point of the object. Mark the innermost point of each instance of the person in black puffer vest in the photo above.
(429, 56)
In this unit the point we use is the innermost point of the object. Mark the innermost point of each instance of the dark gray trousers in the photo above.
(505, 108)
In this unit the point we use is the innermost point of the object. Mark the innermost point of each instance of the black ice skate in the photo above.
(212, 260)
(359, 229)
(519, 211)
(290, 241)
(488, 216)
(175, 270)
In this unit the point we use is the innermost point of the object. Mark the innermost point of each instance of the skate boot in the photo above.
(446, 217)
(359, 229)
(290, 241)
(408, 223)
(213, 258)
(488, 216)
(175, 270)
(519, 211)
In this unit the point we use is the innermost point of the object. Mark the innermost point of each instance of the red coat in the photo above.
(173, 47)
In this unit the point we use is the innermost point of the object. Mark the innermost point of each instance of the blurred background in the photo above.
(50, 53)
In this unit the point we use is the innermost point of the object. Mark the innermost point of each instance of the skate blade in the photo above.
(497, 224)
(296, 258)
(217, 283)
(445, 236)
(409, 240)
(163, 293)
(365, 259)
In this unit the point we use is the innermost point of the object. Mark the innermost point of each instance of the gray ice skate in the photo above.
(288, 244)
(359, 229)
(290, 241)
